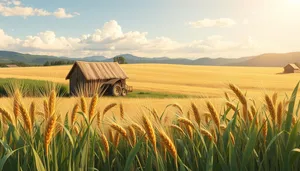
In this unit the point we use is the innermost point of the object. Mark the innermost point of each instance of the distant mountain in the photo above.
(93, 58)
(271, 60)
(264, 60)
(10, 57)
(165, 60)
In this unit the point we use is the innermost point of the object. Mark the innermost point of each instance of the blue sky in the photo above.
(174, 28)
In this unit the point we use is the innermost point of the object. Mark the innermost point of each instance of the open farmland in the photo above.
(207, 81)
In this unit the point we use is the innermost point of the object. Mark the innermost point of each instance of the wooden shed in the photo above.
(291, 68)
(89, 78)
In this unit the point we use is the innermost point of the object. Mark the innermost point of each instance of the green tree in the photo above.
(47, 63)
(120, 60)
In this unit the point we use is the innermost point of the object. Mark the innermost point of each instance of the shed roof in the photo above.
(294, 66)
(99, 70)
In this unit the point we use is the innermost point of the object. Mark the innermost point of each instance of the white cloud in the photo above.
(7, 42)
(16, 3)
(48, 41)
(61, 13)
(14, 8)
(221, 22)
(110, 40)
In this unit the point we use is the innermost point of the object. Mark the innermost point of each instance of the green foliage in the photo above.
(160, 95)
(239, 146)
(120, 60)
(58, 62)
(32, 88)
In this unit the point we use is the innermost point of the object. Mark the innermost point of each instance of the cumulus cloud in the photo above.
(61, 13)
(6, 41)
(110, 40)
(221, 22)
(15, 8)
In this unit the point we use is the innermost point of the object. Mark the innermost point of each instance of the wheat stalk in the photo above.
(52, 101)
(74, 113)
(241, 98)
(107, 108)
(83, 104)
(270, 108)
(196, 113)
(93, 107)
(132, 134)
(139, 129)
(227, 96)
(207, 134)
(176, 127)
(16, 107)
(190, 131)
(279, 114)
(150, 132)
(105, 143)
(169, 145)
(207, 117)
(99, 120)
(46, 109)
(265, 129)
(116, 139)
(32, 112)
(49, 132)
(185, 121)
(253, 112)
(110, 135)
(274, 98)
(26, 118)
(214, 115)
(119, 129)
(121, 111)
(178, 107)
(6, 115)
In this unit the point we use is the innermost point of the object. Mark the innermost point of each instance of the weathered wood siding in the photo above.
(76, 80)
(289, 69)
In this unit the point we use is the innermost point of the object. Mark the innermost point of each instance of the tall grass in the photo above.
(90, 138)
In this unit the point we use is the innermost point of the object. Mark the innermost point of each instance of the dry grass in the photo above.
(200, 80)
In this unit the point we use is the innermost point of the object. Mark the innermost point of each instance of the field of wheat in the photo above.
(239, 134)
(207, 81)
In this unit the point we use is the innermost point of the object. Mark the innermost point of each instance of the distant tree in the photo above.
(47, 63)
(59, 62)
(120, 60)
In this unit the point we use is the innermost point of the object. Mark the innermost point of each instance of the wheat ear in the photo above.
(52, 101)
(6, 115)
(49, 132)
(93, 107)
(32, 112)
(196, 113)
(270, 108)
(74, 113)
(46, 109)
(105, 143)
(169, 145)
(107, 108)
(83, 104)
(17, 101)
(26, 118)
(150, 132)
(214, 115)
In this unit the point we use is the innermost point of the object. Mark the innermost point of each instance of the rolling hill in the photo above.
(264, 60)
(271, 60)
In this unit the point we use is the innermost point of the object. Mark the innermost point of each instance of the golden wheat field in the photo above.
(208, 81)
